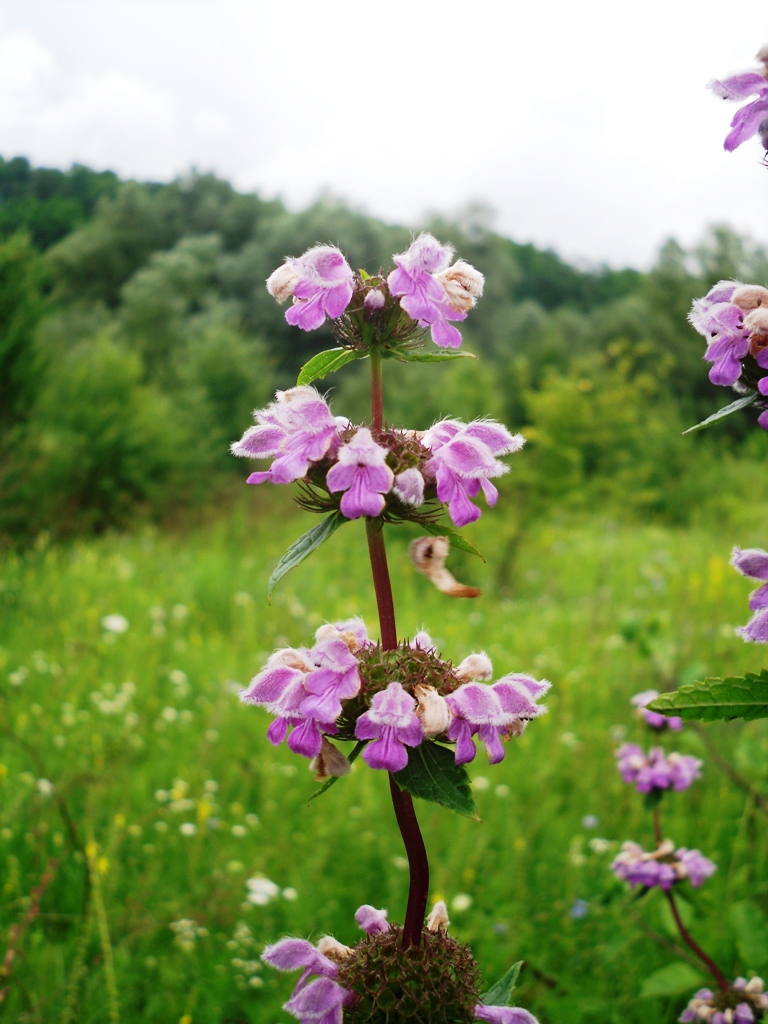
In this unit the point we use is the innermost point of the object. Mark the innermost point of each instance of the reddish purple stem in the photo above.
(402, 801)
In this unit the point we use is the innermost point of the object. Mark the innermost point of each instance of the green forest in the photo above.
(136, 337)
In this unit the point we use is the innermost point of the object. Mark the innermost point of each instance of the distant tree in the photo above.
(21, 307)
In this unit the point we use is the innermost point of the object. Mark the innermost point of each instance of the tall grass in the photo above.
(160, 798)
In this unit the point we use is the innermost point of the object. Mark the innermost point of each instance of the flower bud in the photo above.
(281, 282)
(336, 951)
(428, 554)
(515, 729)
(438, 920)
(433, 712)
(374, 300)
(331, 632)
(756, 323)
(290, 658)
(750, 296)
(409, 487)
(475, 666)
(329, 761)
(463, 285)
(371, 920)
(755, 984)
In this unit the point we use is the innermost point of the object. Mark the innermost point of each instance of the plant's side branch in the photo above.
(708, 962)
(17, 930)
(730, 771)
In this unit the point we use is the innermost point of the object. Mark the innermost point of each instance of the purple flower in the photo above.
(753, 562)
(335, 679)
(656, 770)
(319, 1001)
(296, 430)
(423, 297)
(697, 867)
(464, 458)
(363, 474)
(320, 282)
(704, 1003)
(371, 920)
(477, 710)
(664, 867)
(652, 718)
(749, 119)
(504, 1015)
(734, 319)
(518, 693)
(579, 909)
(392, 724)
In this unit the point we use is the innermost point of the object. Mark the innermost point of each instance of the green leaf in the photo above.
(422, 356)
(500, 994)
(304, 546)
(740, 403)
(335, 778)
(456, 539)
(432, 774)
(751, 927)
(735, 697)
(673, 980)
(326, 362)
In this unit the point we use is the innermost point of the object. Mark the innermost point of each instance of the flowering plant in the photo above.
(407, 710)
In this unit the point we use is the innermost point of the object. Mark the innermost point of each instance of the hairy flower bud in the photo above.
(438, 920)
(428, 554)
(474, 666)
(281, 282)
(750, 296)
(374, 300)
(330, 761)
(333, 949)
(290, 658)
(756, 323)
(433, 712)
(463, 285)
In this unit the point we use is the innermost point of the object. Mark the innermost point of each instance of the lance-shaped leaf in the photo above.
(432, 774)
(326, 362)
(500, 994)
(735, 697)
(426, 356)
(456, 539)
(335, 778)
(740, 403)
(304, 546)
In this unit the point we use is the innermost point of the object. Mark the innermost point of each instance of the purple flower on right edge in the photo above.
(752, 118)
(753, 563)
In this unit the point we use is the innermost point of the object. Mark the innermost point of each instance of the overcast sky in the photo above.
(586, 126)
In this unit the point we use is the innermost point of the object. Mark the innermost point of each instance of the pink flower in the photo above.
(320, 282)
(464, 458)
(392, 724)
(423, 296)
(371, 920)
(363, 474)
(750, 119)
(296, 430)
(753, 562)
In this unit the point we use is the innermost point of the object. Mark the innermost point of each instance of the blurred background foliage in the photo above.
(136, 336)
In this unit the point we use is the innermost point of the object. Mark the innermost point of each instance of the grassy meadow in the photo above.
(147, 795)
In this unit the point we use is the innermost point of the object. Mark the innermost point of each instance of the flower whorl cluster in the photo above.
(753, 562)
(346, 982)
(743, 1003)
(656, 770)
(452, 461)
(733, 317)
(347, 686)
(663, 867)
(653, 719)
(752, 118)
(430, 292)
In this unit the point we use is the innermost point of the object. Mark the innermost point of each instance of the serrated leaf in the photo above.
(327, 362)
(735, 697)
(432, 774)
(500, 994)
(335, 778)
(673, 980)
(456, 539)
(740, 403)
(422, 356)
(304, 546)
